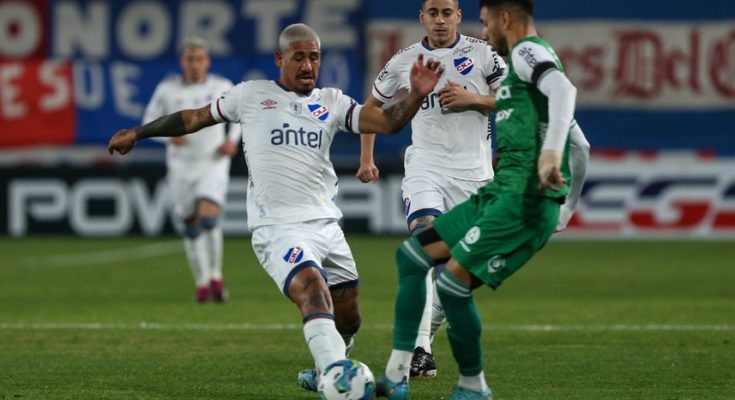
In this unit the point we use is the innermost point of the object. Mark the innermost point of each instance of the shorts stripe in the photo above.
(451, 285)
(299, 268)
(422, 213)
(346, 285)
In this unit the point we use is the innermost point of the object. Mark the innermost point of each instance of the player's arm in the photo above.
(424, 77)
(177, 124)
(368, 171)
(455, 97)
(579, 155)
(561, 94)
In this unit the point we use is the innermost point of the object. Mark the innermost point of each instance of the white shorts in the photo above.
(428, 193)
(188, 187)
(285, 249)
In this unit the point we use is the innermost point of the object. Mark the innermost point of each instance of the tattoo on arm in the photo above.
(168, 125)
(400, 113)
(177, 124)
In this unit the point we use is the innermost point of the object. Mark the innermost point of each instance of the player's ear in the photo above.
(278, 58)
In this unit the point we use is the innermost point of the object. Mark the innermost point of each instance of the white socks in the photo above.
(399, 365)
(214, 251)
(196, 253)
(476, 383)
(325, 343)
(423, 339)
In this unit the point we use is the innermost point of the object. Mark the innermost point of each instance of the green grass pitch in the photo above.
(115, 319)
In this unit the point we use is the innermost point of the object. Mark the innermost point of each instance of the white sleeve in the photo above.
(496, 69)
(348, 112)
(234, 130)
(579, 155)
(388, 82)
(534, 64)
(155, 109)
(226, 108)
(562, 96)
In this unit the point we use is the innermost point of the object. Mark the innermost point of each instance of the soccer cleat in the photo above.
(308, 379)
(422, 364)
(218, 292)
(202, 295)
(465, 394)
(384, 387)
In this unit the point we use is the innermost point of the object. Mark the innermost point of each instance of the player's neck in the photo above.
(521, 31)
(431, 45)
(194, 81)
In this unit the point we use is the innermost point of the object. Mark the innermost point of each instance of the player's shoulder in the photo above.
(328, 94)
(406, 54)
(473, 41)
(531, 52)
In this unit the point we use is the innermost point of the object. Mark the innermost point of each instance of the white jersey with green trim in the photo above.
(448, 142)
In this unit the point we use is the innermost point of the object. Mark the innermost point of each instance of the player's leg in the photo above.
(211, 192)
(422, 195)
(183, 191)
(414, 259)
(454, 192)
(286, 254)
(503, 238)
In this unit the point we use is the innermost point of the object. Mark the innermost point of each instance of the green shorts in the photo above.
(492, 234)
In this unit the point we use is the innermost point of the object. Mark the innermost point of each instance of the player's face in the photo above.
(440, 18)
(299, 66)
(491, 20)
(194, 64)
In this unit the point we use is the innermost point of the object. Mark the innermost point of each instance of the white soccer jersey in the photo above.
(454, 144)
(173, 94)
(286, 142)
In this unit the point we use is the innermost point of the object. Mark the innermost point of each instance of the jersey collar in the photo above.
(425, 43)
(278, 82)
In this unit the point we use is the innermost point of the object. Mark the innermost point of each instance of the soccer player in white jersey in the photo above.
(449, 157)
(198, 166)
(290, 125)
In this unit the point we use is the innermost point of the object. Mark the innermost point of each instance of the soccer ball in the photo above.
(346, 380)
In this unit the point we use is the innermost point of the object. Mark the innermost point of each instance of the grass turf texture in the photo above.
(110, 319)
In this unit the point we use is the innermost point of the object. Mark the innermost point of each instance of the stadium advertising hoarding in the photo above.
(635, 195)
(642, 85)
(72, 72)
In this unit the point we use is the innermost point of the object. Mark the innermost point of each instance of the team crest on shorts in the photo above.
(495, 264)
(294, 255)
(472, 235)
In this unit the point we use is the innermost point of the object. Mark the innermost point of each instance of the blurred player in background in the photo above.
(495, 232)
(198, 166)
(450, 156)
(292, 184)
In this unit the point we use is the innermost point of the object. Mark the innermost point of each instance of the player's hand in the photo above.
(549, 170)
(424, 76)
(565, 214)
(454, 96)
(368, 172)
(227, 148)
(178, 140)
(122, 141)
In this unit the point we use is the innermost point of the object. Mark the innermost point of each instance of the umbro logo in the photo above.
(269, 104)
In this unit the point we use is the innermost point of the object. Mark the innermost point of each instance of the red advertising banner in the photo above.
(36, 103)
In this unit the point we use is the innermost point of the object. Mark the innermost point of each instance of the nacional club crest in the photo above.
(464, 65)
(319, 111)
(294, 255)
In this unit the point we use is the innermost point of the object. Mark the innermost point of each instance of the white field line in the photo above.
(91, 326)
(105, 256)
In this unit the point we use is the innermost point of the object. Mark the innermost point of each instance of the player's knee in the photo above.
(412, 259)
(449, 286)
(350, 324)
(192, 231)
(209, 222)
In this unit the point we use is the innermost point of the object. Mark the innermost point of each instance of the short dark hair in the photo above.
(525, 5)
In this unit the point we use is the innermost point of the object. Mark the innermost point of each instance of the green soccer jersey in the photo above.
(522, 119)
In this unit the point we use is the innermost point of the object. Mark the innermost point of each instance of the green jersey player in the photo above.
(496, 231)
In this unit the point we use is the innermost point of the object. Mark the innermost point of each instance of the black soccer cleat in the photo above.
(422, 364)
